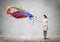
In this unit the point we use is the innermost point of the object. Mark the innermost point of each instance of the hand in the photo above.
(35, 17)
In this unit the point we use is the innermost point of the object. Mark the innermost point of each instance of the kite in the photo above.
(18, 12)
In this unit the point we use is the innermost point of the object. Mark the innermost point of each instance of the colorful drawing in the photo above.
(18, 12)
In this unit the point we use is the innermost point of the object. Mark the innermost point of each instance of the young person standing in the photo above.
(45, 25)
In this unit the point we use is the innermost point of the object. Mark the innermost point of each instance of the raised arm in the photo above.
(37, 19)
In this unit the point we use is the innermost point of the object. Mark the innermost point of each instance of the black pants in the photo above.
(45, 34)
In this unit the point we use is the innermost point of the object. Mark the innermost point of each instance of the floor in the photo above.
(5, 39)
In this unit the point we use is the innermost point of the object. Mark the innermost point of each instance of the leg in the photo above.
(45, 34)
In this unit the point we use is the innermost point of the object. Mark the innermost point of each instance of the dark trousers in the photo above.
(45, 34)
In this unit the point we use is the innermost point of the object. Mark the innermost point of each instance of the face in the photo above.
(43, 17)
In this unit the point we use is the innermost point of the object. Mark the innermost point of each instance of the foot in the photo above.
(45, 38)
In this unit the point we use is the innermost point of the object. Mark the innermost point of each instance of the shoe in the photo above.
(45, 38)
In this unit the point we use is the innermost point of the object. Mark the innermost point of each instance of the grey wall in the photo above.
(25, 27)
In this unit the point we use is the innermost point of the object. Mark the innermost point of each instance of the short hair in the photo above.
(45, 16)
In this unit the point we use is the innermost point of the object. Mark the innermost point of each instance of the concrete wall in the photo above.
(25, 27)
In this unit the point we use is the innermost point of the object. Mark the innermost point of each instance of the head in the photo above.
(44, 16)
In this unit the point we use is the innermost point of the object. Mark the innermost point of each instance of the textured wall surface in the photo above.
(25, 27)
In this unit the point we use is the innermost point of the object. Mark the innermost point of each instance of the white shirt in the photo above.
(45, 24)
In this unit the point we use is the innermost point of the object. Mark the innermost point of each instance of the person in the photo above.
(45, 25)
